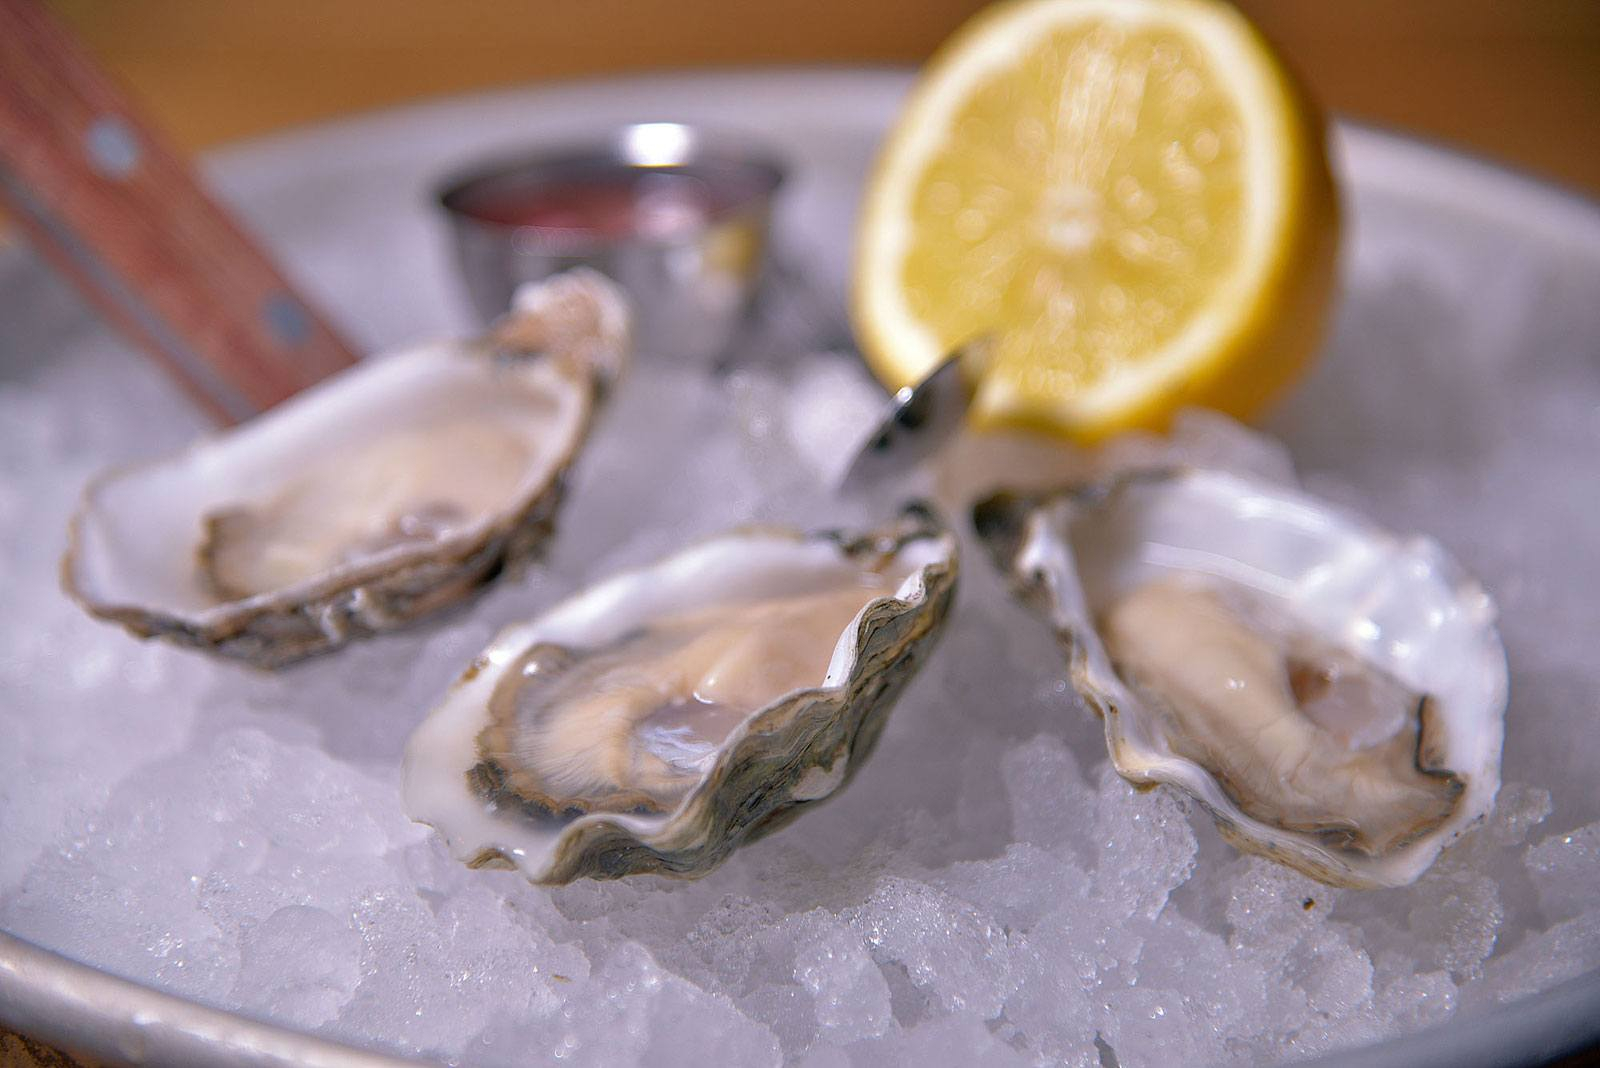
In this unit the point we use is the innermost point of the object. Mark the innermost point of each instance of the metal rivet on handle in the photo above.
(287, 319)
(112, 147)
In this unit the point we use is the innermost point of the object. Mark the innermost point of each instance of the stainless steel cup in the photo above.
(682, 225)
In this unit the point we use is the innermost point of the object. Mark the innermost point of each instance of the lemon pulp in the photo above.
(1130, 196)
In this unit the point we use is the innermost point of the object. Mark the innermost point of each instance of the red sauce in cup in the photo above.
(609, 202)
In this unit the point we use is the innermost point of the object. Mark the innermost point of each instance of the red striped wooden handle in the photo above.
(111, 204)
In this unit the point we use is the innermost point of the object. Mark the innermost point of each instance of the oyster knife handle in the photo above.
(120, 213)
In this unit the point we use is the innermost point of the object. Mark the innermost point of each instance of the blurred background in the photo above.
(1515, 79)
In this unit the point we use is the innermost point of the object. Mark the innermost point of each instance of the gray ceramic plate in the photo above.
(1448, 252)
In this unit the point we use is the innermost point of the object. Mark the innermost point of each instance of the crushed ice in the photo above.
(988, 891)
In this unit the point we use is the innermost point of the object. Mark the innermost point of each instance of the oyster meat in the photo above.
(373, 498)
(655, 722)
(1333, 694)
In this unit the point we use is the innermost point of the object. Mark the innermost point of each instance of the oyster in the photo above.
(658, 720)
(1332, 694)
(375, 497)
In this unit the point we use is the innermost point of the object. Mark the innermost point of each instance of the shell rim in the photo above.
(1022, 516)
(225, 619)
(652, 834)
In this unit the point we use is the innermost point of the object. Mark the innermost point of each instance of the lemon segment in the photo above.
(1130, 194)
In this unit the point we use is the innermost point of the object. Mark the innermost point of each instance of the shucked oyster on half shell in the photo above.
(658, 720)
(1334, 695)
(371, 499)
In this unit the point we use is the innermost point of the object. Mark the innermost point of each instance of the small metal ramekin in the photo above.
(692, 284)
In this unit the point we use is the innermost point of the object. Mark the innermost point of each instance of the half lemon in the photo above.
(1132, 196)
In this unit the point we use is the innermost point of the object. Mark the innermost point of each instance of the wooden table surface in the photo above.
(1517, 79)
(1513, 79)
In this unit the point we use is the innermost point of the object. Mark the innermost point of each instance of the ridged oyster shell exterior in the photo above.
(1401, 605)
(781, 760)
(134, 543)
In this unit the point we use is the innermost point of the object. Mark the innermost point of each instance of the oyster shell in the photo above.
(658, 720)
(1334, 695)
(373, 498)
